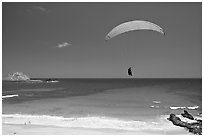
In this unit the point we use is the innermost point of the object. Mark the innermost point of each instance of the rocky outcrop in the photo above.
(187, 115)
(194, 127)
(18, 76)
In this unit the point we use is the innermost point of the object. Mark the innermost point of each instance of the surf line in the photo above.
(85, 122)
(9, 96)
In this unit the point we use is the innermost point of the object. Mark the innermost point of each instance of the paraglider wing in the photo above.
(133, 25)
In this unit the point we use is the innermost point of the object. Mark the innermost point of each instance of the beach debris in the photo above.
(156, 102)
(187, 115)
(175, 107)
(194, 127)
(194, 107)
(133, 26)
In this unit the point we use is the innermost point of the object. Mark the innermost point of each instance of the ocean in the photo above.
(118, 104)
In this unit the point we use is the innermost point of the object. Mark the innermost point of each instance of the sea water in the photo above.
(122, 104)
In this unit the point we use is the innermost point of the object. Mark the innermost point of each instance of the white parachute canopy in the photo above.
(133, 25)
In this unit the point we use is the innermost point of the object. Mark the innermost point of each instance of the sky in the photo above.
(67, 40)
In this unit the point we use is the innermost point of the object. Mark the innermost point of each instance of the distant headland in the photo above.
(20, 77)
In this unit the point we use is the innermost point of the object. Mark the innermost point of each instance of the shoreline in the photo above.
(70, 126)
(19, 129)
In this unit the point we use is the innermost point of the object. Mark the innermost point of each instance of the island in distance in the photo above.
(21, 77)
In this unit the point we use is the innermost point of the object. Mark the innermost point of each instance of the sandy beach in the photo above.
(9, 129)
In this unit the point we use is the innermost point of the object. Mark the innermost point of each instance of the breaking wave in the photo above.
(9, 96)
(183, 107)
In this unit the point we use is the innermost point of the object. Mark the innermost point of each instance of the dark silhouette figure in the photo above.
(130, 71)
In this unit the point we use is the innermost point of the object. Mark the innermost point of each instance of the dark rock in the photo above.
(199, 121)
(177, 121)
(195, 127)
(187, 115)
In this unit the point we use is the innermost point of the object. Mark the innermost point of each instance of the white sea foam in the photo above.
(156, 102)
(183, 107)
(53, 81)
(154, 106)
(9, 96)
(87, 122)
(175, 107)
(193, 107)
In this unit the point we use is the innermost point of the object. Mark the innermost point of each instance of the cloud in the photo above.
(40, 8)
(65, 44)
(35, 9)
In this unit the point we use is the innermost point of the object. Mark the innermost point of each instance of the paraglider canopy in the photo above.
(132, 26)
(130, 71)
